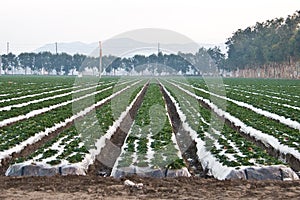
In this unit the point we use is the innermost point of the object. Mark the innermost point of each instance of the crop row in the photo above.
(227, 145)
(24, 108)
(72, 144)
(291, 101)
(50, 93)
(18, 86)
(266, 103)
(260, 128)
(262, 102)
(285, 134)
(220, 96)
(221, 150)
(150, 143)
(278, 88)
(18, 135)
(78, 99)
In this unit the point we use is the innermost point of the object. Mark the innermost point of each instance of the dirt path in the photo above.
(96, 187)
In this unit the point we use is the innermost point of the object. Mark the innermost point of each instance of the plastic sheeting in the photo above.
(150, 172)
(278, 172)
(43, 170)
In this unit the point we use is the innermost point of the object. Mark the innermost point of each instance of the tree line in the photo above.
(60, 64)
(198, 63)
(65, 64)
(270, 42)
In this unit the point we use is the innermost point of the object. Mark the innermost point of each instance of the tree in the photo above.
(43, 62)
(9, 62)
(217, 56)
(26, 60)
(77, 62)
(67, 63)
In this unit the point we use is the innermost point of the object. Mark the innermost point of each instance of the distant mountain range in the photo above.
(123, 46)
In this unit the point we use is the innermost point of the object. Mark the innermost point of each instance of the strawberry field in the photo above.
(156, 127)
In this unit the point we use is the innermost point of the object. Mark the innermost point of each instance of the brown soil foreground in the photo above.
(96, 187)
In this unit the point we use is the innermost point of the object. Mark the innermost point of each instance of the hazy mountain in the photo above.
(123, 47)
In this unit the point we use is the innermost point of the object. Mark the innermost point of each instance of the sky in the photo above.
(28, 24)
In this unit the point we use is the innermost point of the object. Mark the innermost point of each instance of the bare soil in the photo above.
(97, 187)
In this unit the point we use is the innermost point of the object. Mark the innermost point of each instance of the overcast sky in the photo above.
(28, 24)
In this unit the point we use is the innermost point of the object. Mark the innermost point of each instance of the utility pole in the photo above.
(157, 64)
(0, 64)
(56, 48)
(297, 69)
(100, 58)
(158, 49)
(7, 52)
(7, 48)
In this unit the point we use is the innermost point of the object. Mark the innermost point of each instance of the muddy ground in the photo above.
(96, 187)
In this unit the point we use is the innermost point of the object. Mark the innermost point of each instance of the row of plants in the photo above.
(267, 96)
(18, 86)
(151, 142)
(74, 143)
(35, 94)
(282, 88)
(41, 95)
(13, 135)
(77, 104)
(20, 131)
(16, 99)
(268, 103)
(285, 134)
(226, 145)
(50, 101)
(286, 91)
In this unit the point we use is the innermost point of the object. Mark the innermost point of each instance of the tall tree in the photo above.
(217, 56)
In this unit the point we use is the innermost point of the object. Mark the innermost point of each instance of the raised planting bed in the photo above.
(14, 87)
(269, 113)
(23, 108)
(222, 151)
(150, 147)
(278, 139)
(74, 149)
(16, 137)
